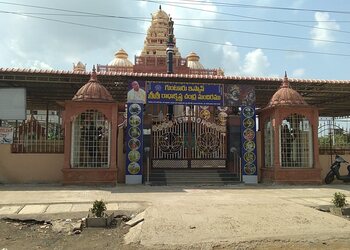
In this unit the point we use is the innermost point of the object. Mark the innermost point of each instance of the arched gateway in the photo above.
(192, 127)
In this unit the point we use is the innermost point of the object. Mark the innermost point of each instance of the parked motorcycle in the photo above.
(334, 171)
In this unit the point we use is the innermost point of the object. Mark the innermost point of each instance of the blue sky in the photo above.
(28, 42)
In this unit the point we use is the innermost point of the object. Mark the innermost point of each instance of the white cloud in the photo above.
(231, 59)
(325, 23)
(31, 64)
(36, 64)
(298, 72)
(255, 63)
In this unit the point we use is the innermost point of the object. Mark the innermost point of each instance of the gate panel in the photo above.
(189, 141)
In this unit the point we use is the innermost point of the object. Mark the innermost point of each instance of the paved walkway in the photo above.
(193, 215)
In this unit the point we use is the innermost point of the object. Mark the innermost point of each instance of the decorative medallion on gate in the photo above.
(170, 142)
(208, 143)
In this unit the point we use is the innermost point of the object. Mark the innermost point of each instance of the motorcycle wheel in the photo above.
(329, 178)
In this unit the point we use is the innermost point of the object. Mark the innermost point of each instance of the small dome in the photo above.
(121, 59)
(93, 91)
(193, 61)
(286, 96)
(79, 66)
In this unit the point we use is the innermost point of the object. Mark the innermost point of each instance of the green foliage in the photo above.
(98, 208)
(339, 199)
(339, 139)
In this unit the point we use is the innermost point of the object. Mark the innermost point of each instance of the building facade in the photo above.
(134, 123)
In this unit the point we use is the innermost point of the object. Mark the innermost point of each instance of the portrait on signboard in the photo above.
(232, 95)
(237, 95)
(248, 95)
(136, 93)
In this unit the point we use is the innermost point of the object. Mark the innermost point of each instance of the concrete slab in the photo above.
(81, 207)
(129, 206)
(59, 208)
(9, 209)
(329, 200)
(134, 234)
(316, 201)
(301, 201)
(137, 219)
(33, 209)
(112, 206)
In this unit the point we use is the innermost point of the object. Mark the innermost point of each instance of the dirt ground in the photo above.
(17, 234)
(29, 235)
(179, 218)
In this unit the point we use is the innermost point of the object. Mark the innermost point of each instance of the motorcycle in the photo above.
(334, 171)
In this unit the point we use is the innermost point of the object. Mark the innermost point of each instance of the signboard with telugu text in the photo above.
(185, 93)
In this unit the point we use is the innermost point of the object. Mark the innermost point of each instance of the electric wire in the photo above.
(188, 39)
(254, 6)
(177, 18)
(221, 29)
(174, 5)
(243, 16)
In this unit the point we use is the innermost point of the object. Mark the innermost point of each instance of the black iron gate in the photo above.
(189, 142)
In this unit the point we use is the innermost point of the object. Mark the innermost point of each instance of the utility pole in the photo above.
(170, 56)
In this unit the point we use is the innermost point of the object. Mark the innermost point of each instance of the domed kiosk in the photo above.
(90, 122)
(289, 139)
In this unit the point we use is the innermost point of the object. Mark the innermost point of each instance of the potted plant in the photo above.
(98, 216)
(339, 201)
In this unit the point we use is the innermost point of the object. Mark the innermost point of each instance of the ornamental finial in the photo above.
(285, 83)
(93, 74)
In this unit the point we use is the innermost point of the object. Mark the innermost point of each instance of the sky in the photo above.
(308, 39)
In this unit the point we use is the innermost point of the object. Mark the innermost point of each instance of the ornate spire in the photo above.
(157, 36)
(285, 83)
(93, 74)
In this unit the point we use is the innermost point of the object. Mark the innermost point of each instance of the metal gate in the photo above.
(189, 142)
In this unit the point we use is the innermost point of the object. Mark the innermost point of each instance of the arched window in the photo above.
(268, 143)
(90, 140)
(296, 142)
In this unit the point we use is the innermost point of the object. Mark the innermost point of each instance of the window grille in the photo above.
(296, 142)
(90, 140)
(268, 144)
(41, 132)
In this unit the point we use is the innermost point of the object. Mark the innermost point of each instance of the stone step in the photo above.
(195, 177)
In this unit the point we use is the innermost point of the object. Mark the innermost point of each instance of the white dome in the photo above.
(193, 61)
(121, 59)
